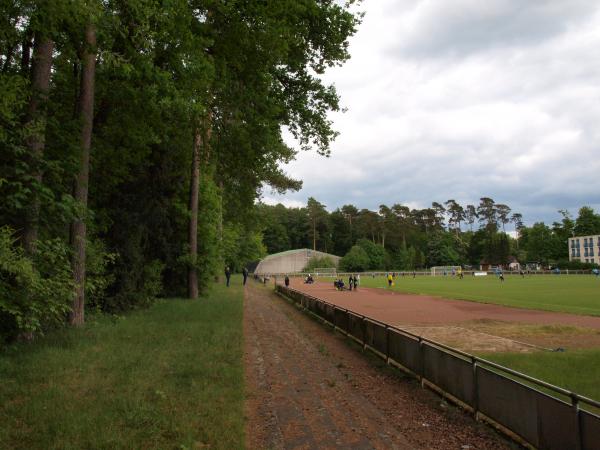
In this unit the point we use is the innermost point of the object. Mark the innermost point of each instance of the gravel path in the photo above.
(308, 388)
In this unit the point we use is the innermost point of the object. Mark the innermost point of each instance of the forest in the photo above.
(397, 237)
(136, 136)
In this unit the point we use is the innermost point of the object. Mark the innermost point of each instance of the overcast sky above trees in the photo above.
(463, 99)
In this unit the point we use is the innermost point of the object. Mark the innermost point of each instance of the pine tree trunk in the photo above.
(78, 227)
(193, 223)
(220, 231)
(36, 117)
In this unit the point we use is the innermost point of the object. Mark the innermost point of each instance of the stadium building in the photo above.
(290, 261)
(585, 249)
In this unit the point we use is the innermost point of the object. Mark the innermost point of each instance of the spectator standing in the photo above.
(245, 273)
(227, 275)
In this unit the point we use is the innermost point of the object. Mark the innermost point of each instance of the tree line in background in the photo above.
(400, 238)
(135, 137)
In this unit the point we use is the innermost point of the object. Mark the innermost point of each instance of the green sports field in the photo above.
(578, 294)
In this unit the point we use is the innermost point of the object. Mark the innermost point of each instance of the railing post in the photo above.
(364, 333)
(422, 359)
(335, 327)
(475, 389)
(387, 344)
(575, 405)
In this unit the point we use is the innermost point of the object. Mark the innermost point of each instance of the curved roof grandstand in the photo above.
(290, 261)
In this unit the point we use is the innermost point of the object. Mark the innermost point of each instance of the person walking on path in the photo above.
(350, 282)
(245, 273)
(227, 275)
(287, 281)
(355, 279)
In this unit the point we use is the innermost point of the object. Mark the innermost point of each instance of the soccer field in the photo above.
(578, 294)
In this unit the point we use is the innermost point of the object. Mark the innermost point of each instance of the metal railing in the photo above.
(539, 413)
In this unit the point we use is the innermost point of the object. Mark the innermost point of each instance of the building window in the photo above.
(585, 252)
(578, 252)
(591, 251)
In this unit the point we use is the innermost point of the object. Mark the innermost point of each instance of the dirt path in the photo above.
(309, 388)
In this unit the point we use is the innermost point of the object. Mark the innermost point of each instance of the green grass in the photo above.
(167, 377)
(578, 294)
(577, 371)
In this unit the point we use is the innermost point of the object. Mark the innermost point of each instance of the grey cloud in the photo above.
(450, 28)
(516, 122)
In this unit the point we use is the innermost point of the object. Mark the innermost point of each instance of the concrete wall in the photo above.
(291, 261)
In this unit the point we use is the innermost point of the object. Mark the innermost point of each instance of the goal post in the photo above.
(445, 270)
(325, 271)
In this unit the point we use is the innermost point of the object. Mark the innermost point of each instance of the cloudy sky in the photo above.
(464, 99)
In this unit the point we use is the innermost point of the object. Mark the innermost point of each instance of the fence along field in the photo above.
(500, 394)
(575, 368)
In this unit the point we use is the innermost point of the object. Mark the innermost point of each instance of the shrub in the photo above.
(375, 253)
(35, 293)
(356, 260)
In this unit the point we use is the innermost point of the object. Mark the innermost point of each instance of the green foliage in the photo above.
(98, 272)
(35, 292)
(375, 252)
(356, 260)
(588, 222)
(241, 247)
(444, 249)
(317, 261)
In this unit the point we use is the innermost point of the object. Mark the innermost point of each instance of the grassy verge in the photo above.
(576, 294)
(167, 377)
(576, 370)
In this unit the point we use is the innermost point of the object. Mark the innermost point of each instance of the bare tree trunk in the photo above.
(78, 227)
(193, 223)
(314, 235)
(36, 117)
